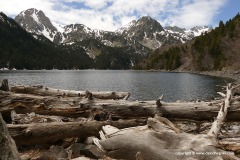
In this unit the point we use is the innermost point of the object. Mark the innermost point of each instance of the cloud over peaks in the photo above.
(112, 14)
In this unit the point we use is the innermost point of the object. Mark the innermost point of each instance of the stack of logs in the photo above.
(41, 115)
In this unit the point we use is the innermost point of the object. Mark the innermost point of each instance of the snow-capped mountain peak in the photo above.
(35, 21)
(198, 30)
(141, 35)
(187, 34)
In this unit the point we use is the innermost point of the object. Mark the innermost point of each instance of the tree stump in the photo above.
(8, 149)
(4, 86)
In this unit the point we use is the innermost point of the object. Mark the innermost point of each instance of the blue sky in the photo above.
(113, 14)
(228, 11)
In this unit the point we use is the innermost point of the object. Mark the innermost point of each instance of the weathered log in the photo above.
(114, 142)
(121, 109)
(73, 106)
(26, 134)
(4, 86)
(217, 124)
(231, 144)
(8, 149)
(45, 91)
(157, 141)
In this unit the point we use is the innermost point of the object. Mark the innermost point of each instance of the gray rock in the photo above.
(92, 151)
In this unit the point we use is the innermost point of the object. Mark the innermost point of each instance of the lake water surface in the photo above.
(143, 85)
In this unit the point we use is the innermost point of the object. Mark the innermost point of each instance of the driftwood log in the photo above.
(26, 134)
(159, 139)
(116, 109)
(217, 124)
(45, 91)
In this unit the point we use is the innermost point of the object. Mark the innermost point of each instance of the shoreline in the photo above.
(235, 76)
(231, 75)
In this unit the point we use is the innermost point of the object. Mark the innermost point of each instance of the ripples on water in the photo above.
(143, 85)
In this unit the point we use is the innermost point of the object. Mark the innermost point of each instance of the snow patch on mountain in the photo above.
(198, 30)
(35, 17)
(187, 34)
(59, 27)
(126, 27)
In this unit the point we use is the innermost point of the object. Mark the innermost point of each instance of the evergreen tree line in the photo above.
(167, 60)
(210, 43)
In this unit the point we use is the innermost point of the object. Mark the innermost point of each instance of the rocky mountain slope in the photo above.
(35, 21)
(142, 35)
(151, 34)
(216, 50)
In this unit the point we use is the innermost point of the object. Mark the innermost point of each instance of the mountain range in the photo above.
(143, 35)
(31, 41)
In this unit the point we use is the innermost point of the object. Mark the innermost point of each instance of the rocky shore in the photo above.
(225, 74)
(228, 74)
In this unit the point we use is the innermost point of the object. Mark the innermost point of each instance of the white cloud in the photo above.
(197, 13)
(14, 7)
(112, 14)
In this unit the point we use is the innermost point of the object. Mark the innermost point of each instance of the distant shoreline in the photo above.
(235, 76)
(227, 74)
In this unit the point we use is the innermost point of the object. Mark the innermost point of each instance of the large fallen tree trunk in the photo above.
(26, 134)
(120, 109)
(74, 107)
(45, 91)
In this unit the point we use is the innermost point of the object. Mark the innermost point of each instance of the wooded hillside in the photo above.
(216, 50)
